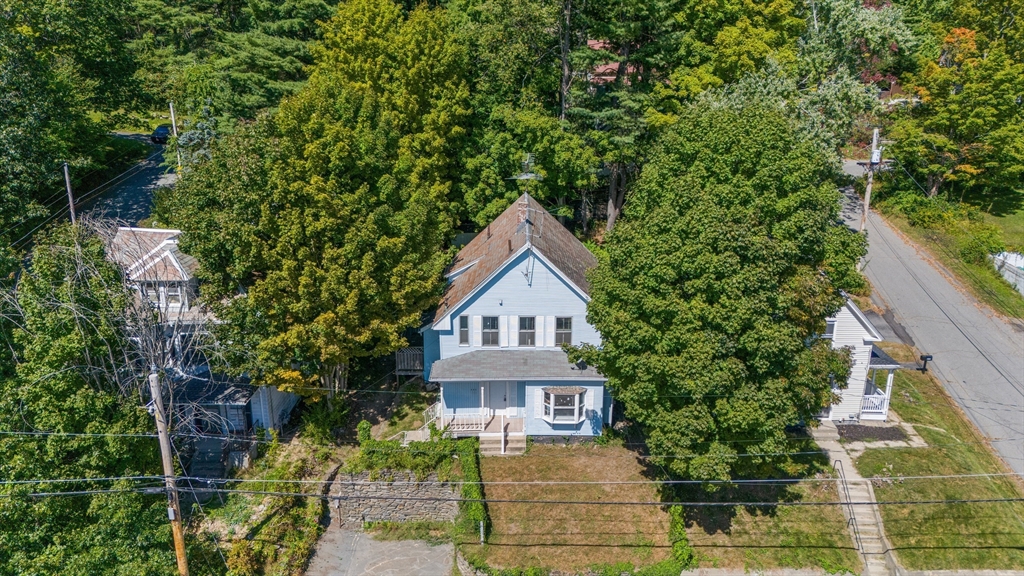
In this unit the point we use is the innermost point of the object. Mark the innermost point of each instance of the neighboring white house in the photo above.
(165, 277)
(869, 386)
(516, 293)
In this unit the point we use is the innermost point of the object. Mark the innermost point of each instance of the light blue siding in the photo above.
(431, 351)
(461, 398)
(512, 293)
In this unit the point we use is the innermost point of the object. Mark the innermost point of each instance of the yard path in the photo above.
(978, 355)
(869, 520)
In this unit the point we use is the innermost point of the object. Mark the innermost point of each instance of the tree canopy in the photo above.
(711, 289)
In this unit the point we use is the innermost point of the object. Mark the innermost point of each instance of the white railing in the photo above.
(875, 404)
(465, 422)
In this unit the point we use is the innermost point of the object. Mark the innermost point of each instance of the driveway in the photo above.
(977, 355)
(343, 552)
(130, 197)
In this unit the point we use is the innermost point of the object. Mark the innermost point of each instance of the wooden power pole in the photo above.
(71, 197)
(876, 159)
(173, 505)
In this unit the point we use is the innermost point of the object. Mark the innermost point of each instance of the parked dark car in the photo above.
(161, 134)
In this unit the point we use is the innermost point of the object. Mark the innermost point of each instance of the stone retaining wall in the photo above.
(363, 500)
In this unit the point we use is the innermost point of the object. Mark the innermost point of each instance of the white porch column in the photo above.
(888, 391)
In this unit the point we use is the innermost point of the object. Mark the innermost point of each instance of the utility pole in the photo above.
(876, 159)
(173, 505)
(174, 131)
(71, 197)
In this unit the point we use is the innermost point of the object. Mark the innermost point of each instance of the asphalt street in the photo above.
(129, 198)
(978, 355)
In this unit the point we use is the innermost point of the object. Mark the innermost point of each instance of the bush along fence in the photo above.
(974, 239)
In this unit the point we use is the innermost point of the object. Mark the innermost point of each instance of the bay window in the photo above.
(564, 404)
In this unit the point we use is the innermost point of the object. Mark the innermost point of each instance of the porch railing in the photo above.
(875, 404)
(465, 422)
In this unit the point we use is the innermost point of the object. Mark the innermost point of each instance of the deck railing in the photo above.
(875, 404)
(409, 361)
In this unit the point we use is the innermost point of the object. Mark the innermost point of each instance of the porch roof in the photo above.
(881, 360)
(483, 365)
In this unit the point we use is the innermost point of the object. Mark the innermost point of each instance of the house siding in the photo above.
(850, 332)
(271, 407)
(509, 295)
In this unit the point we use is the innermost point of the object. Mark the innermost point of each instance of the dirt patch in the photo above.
(861, 433)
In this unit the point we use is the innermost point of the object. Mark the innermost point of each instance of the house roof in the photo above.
(213, 389)
(873, 333)
(482, 365)
(881, 360)
(524, 224)
(152, 255)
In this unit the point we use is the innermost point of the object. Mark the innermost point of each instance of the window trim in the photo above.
(550, 405)
(180, 295)
(563, 331)
(830, 329)
(529, 334)
(486, 332)
(463, 330)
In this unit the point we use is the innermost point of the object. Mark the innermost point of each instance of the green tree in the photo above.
(63, 360)
(966, 134)
(338, 242)
(712, 287)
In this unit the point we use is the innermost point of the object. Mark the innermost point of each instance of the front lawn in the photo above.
(570, 536)
(761, 538)
(944, 536)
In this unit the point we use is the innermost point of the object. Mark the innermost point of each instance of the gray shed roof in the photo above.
(212, 390)
(881, 360)
(510, 365)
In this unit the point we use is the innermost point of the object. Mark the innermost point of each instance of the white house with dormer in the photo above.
(516, 293)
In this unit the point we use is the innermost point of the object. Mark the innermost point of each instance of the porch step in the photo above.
(491, 445)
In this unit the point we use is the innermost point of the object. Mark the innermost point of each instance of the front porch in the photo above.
(875, 403)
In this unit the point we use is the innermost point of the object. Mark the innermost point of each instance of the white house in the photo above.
(516, 293)
(166, 278)
(866, 396)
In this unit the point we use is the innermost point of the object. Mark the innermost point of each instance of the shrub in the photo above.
(320, 421)
(243, 559)
(974, 239)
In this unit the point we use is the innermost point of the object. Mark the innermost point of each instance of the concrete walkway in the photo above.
(869, 521)
(978, 355)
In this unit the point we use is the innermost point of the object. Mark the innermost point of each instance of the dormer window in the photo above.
(527, 330)
(151, 291)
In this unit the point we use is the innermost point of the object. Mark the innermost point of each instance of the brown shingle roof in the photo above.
(524, 222)
(150, 254)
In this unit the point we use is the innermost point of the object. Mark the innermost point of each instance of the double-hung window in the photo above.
(152, 291)
(173, 295)
(527, 330)
(564, 405)
(563, 331)
(490, 331)
(463, 330)
(830, 329)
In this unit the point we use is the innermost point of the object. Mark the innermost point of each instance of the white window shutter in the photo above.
(478, 334)
(513, 331)
(503, 331)
(549, 332)
(538, 326)
(538, 403)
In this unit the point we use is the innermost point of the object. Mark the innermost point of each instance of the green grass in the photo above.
(408, 415)
(944, 536)
(432, 533)
(1012, 226)
(981, 279)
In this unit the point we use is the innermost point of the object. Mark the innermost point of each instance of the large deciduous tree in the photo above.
(336, 234)
(725, 265)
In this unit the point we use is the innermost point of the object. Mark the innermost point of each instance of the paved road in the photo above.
(978, 355)
(130, 197)
(348, 553)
